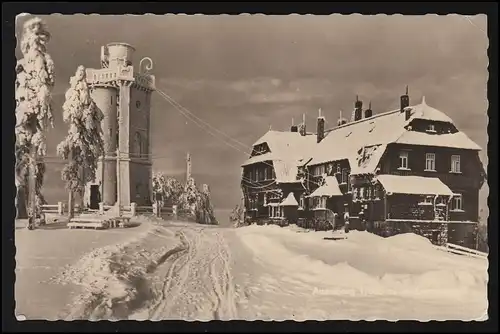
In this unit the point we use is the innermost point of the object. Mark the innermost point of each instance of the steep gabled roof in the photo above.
(329, 189)
(287, 147)
(347, 141)
(362, 142)
(289, 200)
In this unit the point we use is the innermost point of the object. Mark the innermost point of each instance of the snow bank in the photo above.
(406, 265)
(115, 277)
(409, 241)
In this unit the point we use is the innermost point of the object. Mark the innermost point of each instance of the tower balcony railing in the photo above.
(104, 76)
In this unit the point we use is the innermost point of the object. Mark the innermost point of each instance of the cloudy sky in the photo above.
(243, 74)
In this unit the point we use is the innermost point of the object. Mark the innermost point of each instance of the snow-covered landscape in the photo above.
(165, 270)
(124, 195)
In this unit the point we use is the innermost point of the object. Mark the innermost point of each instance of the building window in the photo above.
(430, 162)
(455, 164)
(355, 194)
(302, 202)
(261, 175)
(457, 203)
(138, 105)
(344, 176)
(431, 128)
(403, 160)
(338, 169)
(319, 170)
(319, 202)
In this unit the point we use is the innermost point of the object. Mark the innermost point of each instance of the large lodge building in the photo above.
(406, 170)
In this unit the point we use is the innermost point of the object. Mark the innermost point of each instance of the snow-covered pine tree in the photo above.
(190, 196)
(205, 210)
(35, 79)
(166, 188)
(83, 145)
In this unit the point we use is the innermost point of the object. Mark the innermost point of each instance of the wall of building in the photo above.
(466, 183)
(140, 190)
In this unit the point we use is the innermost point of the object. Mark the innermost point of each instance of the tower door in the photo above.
(94, 197)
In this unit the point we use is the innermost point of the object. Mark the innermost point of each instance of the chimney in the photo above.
(369, 112)
(294, 127)
(341, 120)
(358, 110)
(302, 128)
(405, 100)
(320, 129)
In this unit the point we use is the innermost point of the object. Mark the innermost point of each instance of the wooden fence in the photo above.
(460, 250)
(131, 210)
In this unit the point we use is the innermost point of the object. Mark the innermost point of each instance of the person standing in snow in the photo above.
(346, 221)
(335, 219)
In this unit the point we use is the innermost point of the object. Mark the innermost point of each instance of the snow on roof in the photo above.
(329, 189)
(414, 185)
(368, 160)
(345, 141)
(290, 200)
(423, 111)
(288, 149)
(291, 149)
(260, 158)
(285, 170)
(289, 142)
(452, 140)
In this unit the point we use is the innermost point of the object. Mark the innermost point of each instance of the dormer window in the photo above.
(431, 128)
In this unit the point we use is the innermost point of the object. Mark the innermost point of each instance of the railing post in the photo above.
(60, 208)
(101, 208)
(133, 208)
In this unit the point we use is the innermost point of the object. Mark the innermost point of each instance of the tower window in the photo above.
(138, 190)
(138, 144)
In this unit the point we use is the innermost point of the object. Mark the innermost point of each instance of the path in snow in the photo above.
(197, 280)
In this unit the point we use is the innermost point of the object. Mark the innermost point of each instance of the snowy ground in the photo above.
(195, 272)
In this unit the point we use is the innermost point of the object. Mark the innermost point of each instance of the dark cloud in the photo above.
(244, 73)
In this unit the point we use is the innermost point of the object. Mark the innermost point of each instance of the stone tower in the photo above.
(123, 93)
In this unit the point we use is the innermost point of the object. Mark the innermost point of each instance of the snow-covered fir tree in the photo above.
(35, 79)
(166, 189)
(204, 208)
(190, 196)
(83, 144)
